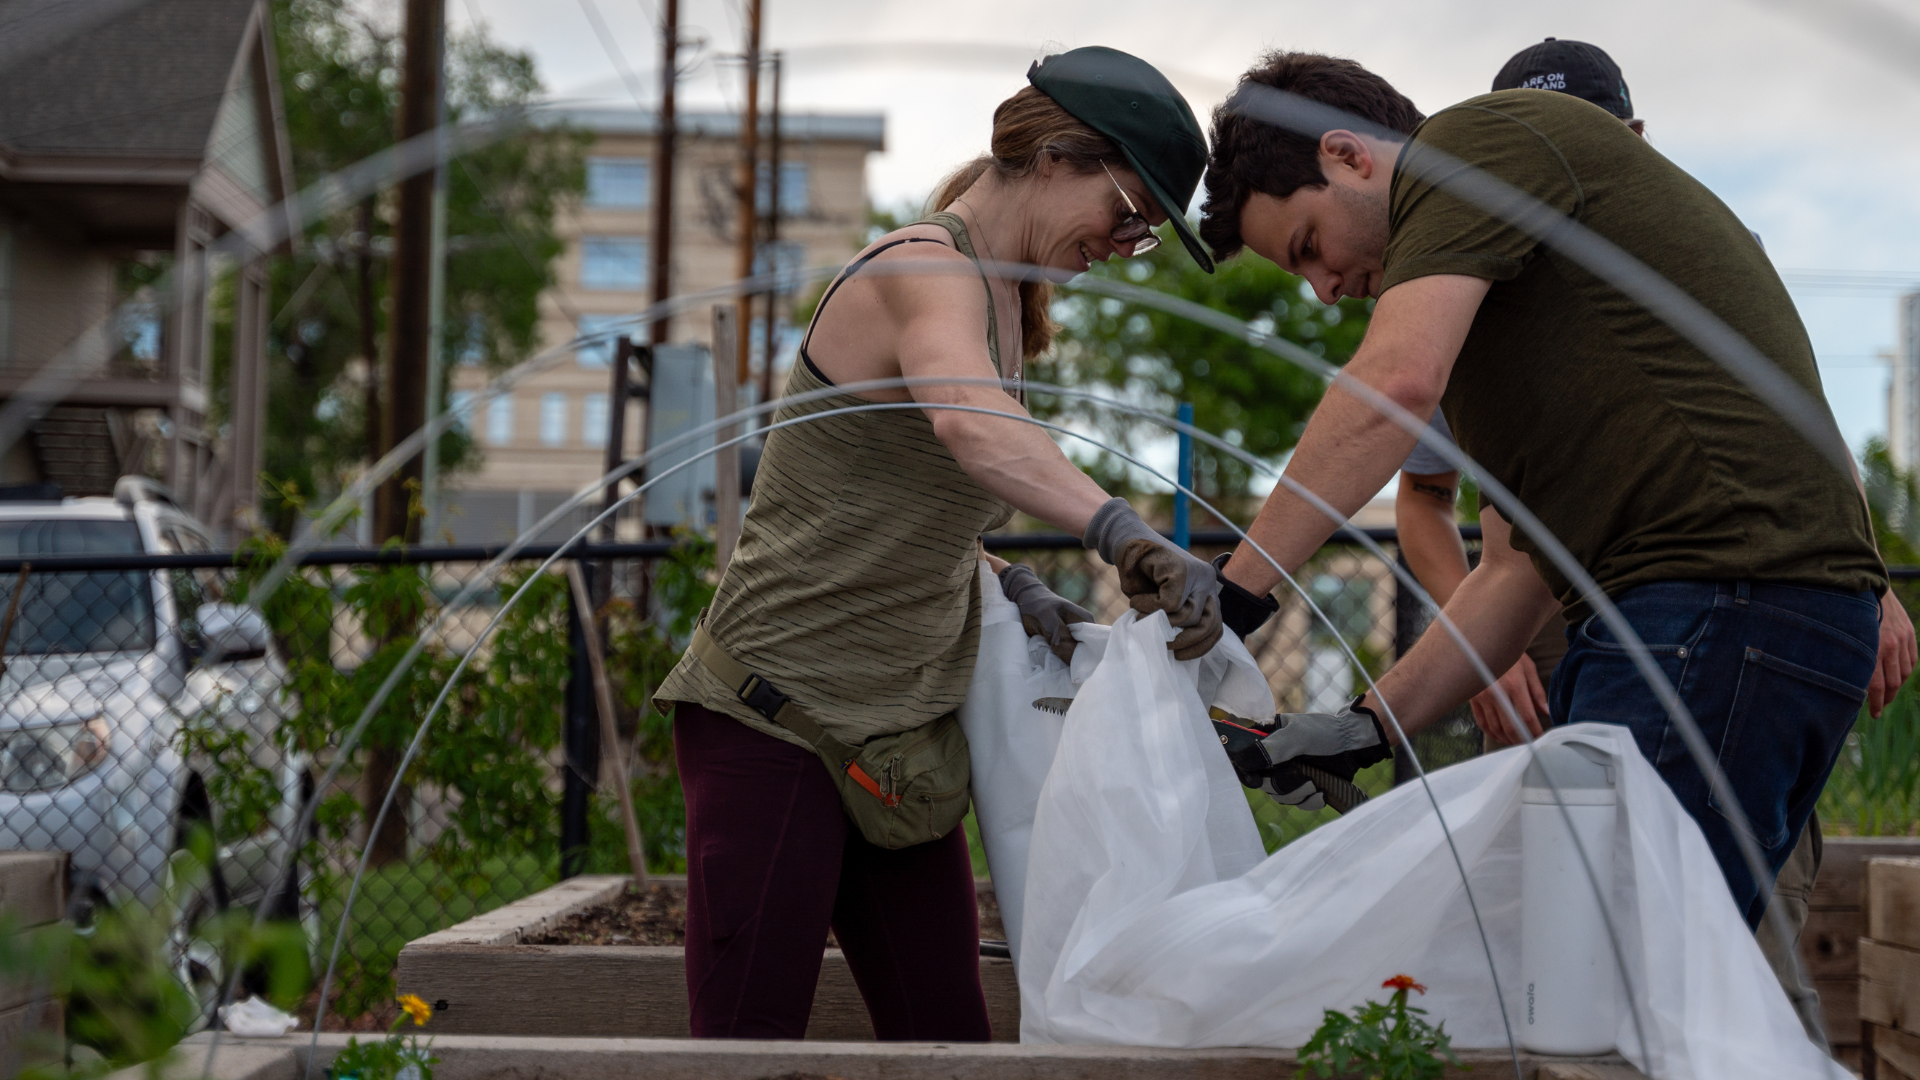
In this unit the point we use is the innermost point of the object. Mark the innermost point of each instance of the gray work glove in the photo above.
(1042, 611)
(1285, 784)
(1157, 576)
(1339, 744)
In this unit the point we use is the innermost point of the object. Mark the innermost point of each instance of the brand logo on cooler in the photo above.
(1529, 1003)
(1553, 80)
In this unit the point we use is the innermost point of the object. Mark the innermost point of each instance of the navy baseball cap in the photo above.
(1570, 67)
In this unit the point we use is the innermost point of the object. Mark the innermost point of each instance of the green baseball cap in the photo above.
(1124, 98)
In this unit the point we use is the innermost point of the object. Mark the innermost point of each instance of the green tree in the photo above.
(1251, 398)
(340, 76)
(1893, 495)
(1875, 786)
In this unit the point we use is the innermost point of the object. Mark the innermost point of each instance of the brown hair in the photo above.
(1026, 127)
(1249, 154)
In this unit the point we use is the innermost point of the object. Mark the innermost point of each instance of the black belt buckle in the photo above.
(762, 698)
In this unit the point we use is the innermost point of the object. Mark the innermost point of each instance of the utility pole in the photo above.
(436, 294)
(749, 196)
(663, 165)
(404, 410)
(774, 296)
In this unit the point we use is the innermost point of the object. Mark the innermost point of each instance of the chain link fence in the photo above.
(149, 705)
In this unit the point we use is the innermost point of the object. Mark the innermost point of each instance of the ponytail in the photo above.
(1026, 127)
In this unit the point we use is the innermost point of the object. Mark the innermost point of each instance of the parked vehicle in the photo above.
(107, 670)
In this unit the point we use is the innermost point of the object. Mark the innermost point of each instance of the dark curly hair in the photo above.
(1250, 155)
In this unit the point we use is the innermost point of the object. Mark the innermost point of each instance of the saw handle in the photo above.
(1342, 795)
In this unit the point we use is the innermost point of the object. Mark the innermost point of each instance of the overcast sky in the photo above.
(1800, 115)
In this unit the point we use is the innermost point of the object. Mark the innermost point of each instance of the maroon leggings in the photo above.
(773, 861)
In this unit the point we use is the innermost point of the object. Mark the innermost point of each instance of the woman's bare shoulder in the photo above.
(909, 241)
(915, 271)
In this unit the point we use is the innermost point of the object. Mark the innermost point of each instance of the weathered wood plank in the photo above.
(1840, 1008)
(1830, 944)
(1892, 905)
(515, 922)
(1556, 1070)
(625, 991)
(1896, 1054)
(477, 1057)
(1889, 985)
(1843, 867)
(28, 1035)
(33, 886)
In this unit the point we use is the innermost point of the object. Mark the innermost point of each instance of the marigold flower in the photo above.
(415, 1006)
(1403, 982)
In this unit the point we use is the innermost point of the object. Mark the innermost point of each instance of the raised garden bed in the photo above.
(1830, 944)
(474, 1057)
(584, 958)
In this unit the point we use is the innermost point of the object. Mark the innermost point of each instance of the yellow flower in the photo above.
(413, 1005)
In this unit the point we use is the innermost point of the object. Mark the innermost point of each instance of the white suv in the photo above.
(104, 669)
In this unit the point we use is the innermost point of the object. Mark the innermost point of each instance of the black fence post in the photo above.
(582, 742)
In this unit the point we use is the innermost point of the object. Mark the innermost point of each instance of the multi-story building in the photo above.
(547, 439)
(1903, 392)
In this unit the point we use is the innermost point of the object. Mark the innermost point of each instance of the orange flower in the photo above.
(1403, 982)
(413, 1005)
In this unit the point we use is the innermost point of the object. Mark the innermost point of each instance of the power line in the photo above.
(1872, 282)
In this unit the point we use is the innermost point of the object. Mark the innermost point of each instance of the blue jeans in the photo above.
(1773, 675)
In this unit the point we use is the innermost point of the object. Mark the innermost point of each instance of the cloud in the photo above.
(1798, 114)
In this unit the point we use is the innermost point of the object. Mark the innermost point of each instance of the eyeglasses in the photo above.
(1133, 229)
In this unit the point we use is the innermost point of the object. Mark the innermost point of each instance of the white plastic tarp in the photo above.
(1147, 914)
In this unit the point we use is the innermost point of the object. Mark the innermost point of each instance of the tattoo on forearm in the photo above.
(1438, 491)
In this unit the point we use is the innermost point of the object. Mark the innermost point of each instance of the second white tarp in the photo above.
(1148, 914)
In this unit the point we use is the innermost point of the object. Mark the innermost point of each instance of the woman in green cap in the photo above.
(845, 628)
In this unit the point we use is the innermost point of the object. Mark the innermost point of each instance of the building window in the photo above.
(500, 420)
(613, 263)
(796, 196)
(621, 183)
(553, 418)
(593, 420)
(460, 407)
(600, 353)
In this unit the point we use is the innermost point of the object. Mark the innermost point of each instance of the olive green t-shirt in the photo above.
(1646, 458)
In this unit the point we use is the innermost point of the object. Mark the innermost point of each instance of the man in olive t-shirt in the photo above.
(1739, 555)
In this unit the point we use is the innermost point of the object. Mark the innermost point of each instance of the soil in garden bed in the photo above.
(658, 916)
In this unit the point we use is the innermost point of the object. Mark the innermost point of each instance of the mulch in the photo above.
(658, 916)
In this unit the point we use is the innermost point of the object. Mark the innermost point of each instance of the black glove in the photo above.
(1338, 744)
(1044, 613)
(1242, 611)
(1157, 576)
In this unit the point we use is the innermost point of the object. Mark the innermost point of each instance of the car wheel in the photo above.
(293, 901)
(198, 897)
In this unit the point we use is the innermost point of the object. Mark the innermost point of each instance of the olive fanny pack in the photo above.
(900, 790)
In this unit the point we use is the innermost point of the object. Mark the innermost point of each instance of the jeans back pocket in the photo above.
(1784, 732)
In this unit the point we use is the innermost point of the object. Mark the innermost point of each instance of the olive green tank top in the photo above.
(853, 587)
